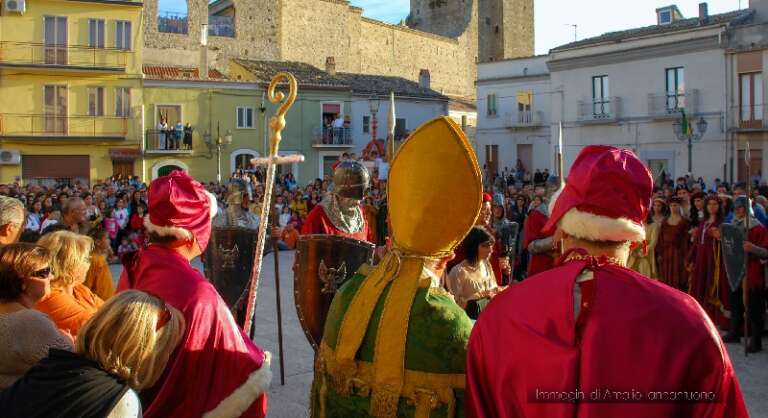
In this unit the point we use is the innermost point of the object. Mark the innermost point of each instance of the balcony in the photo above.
(221, 26)
(171, 22)
(750, 118)
(525, 119)
(47, 126)
(604, 110)
(668, 106)
(332, 137)
(62, 57)
(165, 142)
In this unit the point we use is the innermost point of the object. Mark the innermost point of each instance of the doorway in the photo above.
(525, 155)
(657, 167)
(492, 159)
(55, 39)
(755, 165)
(55, 108)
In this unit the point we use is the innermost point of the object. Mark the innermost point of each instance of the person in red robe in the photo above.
(217, 371)
(705, 261)
(540, 244)
(339, 213)
(591, 338)
(756, 248)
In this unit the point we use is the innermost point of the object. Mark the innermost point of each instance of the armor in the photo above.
(325, 263)
(351, 180)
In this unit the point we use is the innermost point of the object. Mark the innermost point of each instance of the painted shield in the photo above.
(228, 262)
(732, 240)
(324, 263)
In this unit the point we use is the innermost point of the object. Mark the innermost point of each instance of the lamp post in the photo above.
(374, 103)
(701, 127)
(220, 143)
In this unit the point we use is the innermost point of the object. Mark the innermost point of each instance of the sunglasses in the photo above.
(42, 273)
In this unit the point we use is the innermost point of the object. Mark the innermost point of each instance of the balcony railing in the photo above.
(171, 22)
(751, 117)
(599, 110)
(221, 26)
(23, 54)
(333, 136)
(669, 105)
(166, 142)
(525, 119)
(46, 126)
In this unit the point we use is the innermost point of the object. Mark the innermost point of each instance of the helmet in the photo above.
(351, 180)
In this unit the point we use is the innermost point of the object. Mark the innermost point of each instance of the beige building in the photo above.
(444, 37)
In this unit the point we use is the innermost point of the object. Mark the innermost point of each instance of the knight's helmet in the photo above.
(427, 185)
(351, 180)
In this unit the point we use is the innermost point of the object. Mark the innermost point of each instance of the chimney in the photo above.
(330, 65)
(203, 69)
(703, 13)
(424, 79)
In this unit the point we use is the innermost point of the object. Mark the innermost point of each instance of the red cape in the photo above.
(636, 335)
(317, 222)
(214, 359)
(532, 231)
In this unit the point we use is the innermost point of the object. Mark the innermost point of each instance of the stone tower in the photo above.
(502, 28)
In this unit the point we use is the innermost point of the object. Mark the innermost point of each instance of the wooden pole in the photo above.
(276, 251)
(745, 281)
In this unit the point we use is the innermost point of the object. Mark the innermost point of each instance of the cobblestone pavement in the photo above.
(292, 400)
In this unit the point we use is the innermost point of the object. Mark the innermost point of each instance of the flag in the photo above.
(686, 125)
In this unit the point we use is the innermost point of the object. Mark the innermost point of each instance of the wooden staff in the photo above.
(276, 251)
(745, 281)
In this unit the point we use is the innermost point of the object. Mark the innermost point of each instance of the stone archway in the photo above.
(165, 167)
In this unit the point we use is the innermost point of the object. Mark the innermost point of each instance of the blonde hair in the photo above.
(130, 338)
(69, 251)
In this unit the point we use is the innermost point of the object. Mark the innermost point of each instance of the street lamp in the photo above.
(374, 103)
(701, 127)
(220, 143)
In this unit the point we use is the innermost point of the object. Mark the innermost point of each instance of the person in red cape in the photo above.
(540, 244)
(217, 371)
(339, 213)
(591, 338)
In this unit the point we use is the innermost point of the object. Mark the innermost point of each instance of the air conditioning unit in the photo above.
(14, 6)
(10, 157)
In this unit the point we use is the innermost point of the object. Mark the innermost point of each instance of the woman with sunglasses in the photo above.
(70, 303)
(472, 282)
(122, 350)
(26, 335)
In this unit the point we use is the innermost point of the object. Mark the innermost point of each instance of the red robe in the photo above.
(633, 333)
(532, 231)
(317, 222)
(214, 358)
(709, 283)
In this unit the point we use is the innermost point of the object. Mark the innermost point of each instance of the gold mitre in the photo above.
(434, 189)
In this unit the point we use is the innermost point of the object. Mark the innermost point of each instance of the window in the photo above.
(55, 108)
(123, 102)
(244, 117)
(366, 124)
(96, 33)
(400, 128)
(96, 101)
(665, 17)
(524, 99)
(55, 39)
(123, 35)
(751, 99)
(491, 104)
(601, 102)
(675, 83)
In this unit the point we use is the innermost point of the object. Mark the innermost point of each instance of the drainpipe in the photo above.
(142, 144)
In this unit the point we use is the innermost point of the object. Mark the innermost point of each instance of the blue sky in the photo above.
(553, 17)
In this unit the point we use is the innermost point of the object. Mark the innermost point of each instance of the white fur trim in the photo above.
(167, 231)
(592, 227)
(214, 204)
(241, 399)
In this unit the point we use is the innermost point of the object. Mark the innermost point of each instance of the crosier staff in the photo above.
(744, 287)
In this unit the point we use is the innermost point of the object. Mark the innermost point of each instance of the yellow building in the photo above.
(70, 90)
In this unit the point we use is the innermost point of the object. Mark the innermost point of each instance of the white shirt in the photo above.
(122, 217)
(338, 123)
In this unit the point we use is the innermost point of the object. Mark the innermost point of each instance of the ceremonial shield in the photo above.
(325, 262)
(732, 241)
(228, 262)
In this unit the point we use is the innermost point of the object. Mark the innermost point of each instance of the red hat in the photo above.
(606, 198)
(180, 207)
(487, 198)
